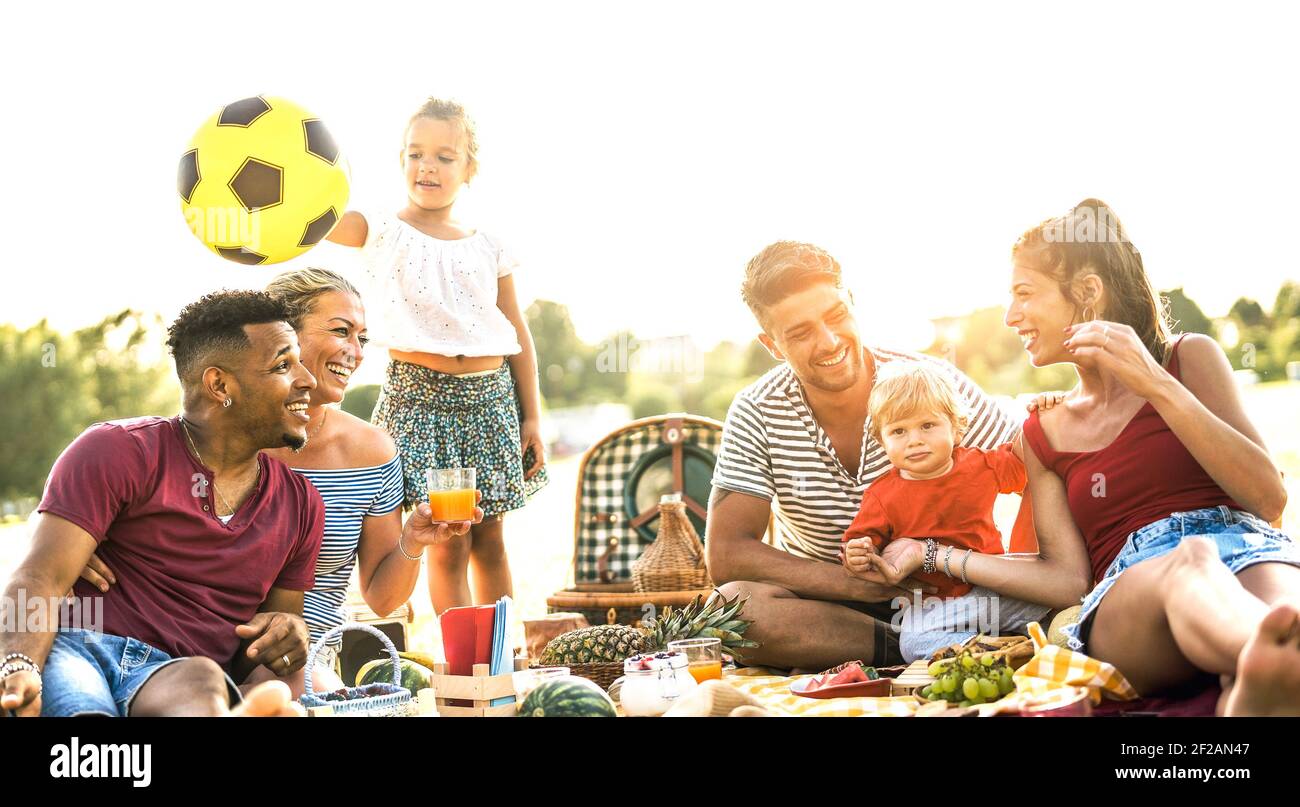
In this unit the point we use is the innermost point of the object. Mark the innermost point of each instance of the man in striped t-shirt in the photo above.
(797, 440)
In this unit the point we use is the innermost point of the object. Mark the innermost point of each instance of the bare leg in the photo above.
(448, 585)
(797, 633)
(1271, 582)
(488, 562)
(1268, 673)
(1167, 618)
(296, 681)
(191, 687)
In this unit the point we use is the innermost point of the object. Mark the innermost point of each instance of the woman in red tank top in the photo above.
(1152, 491)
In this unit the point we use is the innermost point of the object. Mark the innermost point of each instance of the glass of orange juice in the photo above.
(451, 493)
(703, 657)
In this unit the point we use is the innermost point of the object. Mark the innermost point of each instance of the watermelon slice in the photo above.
(853, 672)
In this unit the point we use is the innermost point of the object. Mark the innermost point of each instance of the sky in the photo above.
(635, 156)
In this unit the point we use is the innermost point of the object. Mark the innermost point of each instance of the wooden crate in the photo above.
(481, 689)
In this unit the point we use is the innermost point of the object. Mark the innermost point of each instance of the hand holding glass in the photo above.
(452, 494)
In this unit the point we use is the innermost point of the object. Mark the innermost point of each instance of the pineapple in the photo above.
(715, 618)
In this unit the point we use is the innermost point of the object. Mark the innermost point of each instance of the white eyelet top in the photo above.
(424, 294)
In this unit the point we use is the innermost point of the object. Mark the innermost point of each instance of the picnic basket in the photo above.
(387, 700)
(621, 480)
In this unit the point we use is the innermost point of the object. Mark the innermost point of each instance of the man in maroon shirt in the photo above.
(211, 542)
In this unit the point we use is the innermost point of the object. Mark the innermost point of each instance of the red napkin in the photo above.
(467, 637)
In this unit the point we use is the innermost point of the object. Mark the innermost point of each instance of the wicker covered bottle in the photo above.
(675, 561)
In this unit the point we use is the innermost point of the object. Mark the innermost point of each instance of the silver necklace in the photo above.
(230, 510)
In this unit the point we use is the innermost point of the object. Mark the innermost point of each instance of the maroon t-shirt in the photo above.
(184, 579)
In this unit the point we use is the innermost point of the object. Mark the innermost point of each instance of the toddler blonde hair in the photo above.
(905, 388)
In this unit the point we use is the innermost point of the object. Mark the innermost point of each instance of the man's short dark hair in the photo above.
(782, 269)
(214, 325)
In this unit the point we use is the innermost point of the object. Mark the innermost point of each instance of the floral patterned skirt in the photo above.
(445, 421)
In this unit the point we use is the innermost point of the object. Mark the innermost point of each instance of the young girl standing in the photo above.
(461, 388)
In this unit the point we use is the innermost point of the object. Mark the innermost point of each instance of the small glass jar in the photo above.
(652, 683)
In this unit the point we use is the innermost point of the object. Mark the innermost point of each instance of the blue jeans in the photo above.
(941, 623)
(1243, 540)
(89, 673)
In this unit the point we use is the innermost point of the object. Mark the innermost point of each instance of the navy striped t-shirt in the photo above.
(350, 494)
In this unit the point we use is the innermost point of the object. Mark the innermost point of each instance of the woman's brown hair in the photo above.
(1091, 240)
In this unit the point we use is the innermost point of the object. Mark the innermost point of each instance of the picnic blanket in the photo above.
(1054, 674)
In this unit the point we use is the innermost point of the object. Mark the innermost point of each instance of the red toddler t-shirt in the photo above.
(184, 578)
(955, 509)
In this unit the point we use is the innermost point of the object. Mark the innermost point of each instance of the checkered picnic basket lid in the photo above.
(621, 480)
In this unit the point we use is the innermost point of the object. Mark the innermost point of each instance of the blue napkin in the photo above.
(503, 660)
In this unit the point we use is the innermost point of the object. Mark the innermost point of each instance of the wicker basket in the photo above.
(395, 701)
(602, 674)
(675, 561)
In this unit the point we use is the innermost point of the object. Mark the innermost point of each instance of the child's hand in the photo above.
(1045, 401)
(530, 436)
(861, 560)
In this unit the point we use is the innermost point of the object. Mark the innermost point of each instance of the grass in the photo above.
(539, 539)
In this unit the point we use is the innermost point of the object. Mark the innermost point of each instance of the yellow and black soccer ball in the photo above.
(262, 181)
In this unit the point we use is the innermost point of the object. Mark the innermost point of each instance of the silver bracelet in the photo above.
(963, 565)
(947, 556)
(402, 549)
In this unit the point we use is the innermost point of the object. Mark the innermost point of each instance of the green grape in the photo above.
(970, 688)
(928, 692)
(1006, 685)
(964, 704)
(988, 689)
(936, 669)
(987, 661)
(967, 661)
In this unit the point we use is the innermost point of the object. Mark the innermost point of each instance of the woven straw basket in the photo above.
(675, 561)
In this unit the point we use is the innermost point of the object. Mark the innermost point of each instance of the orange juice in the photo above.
(705, 670)
(452, 505)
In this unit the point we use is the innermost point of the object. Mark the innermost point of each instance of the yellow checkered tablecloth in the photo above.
(1053, 675)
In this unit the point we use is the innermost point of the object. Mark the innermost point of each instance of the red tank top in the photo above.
(1144, 476)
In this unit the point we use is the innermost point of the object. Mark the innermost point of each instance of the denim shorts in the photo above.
(90, 673)
(941, 623)
(1243, 540)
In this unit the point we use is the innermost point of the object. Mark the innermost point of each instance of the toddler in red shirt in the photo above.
(940, 492)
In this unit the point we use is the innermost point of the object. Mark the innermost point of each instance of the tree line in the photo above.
(53, 385)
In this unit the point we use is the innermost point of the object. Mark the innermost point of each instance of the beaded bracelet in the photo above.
(947, 556)
(931, 555)
(402, 549)
(20, 657)
(12, 667)
(963, 565)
